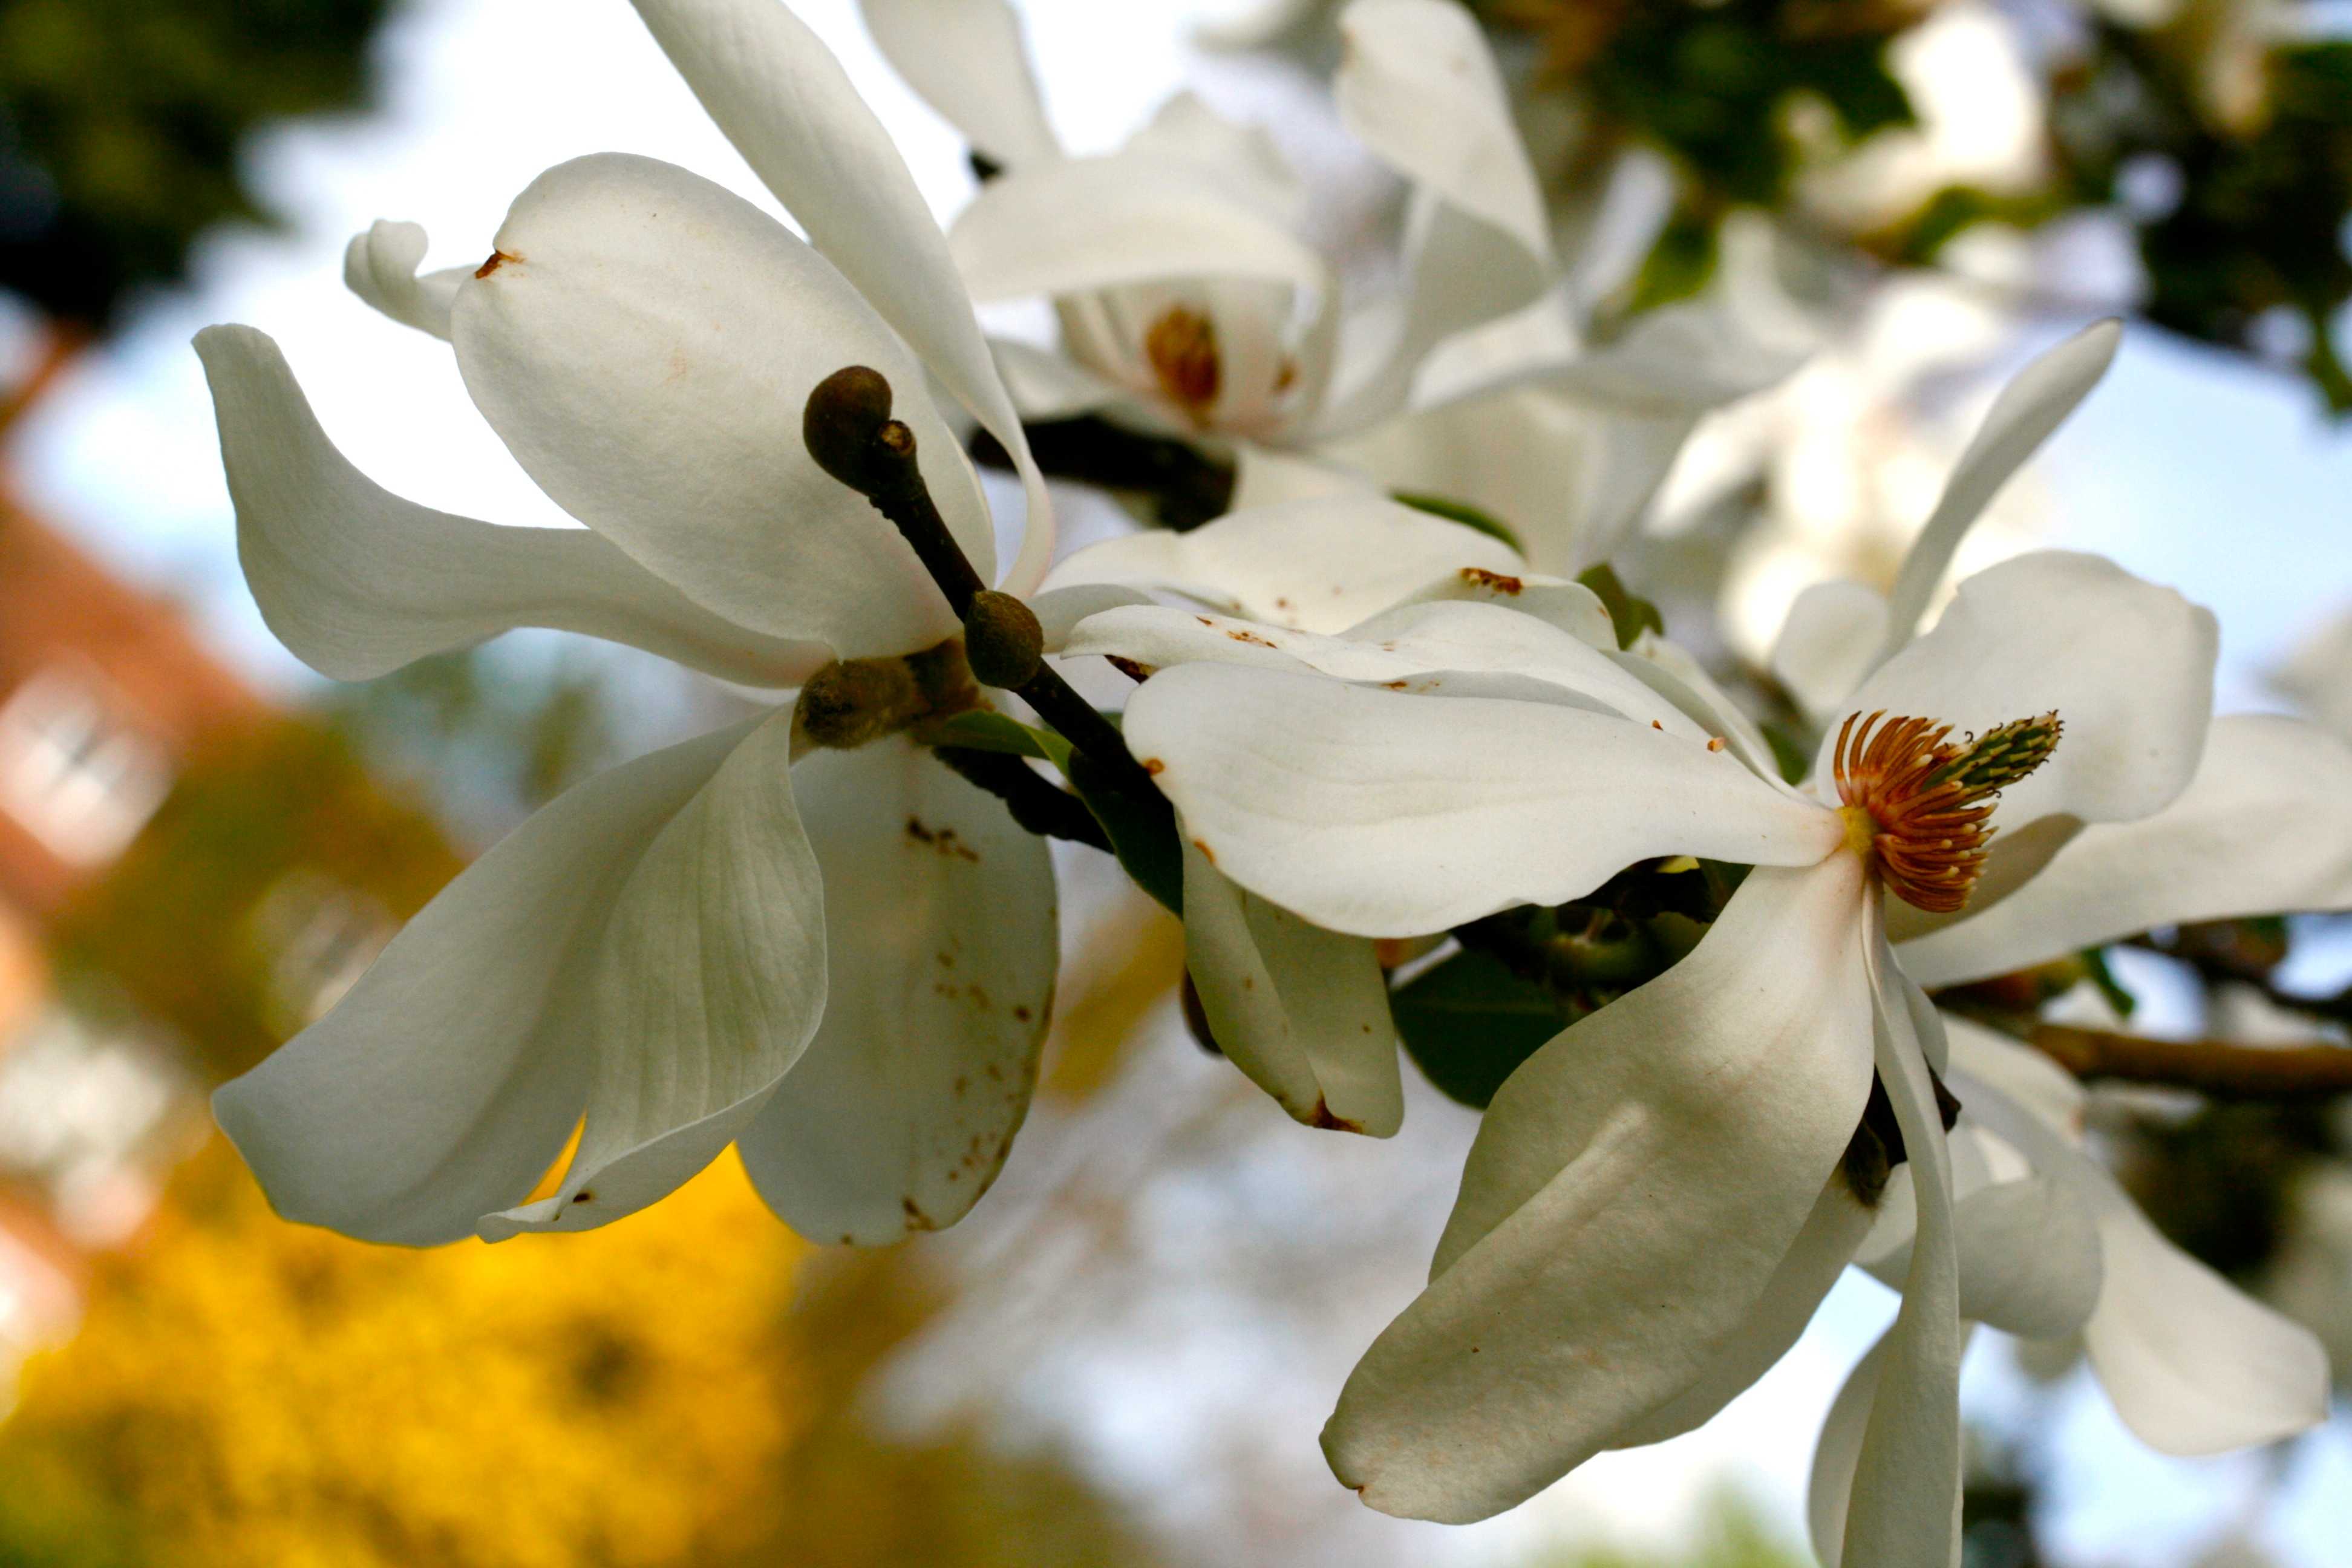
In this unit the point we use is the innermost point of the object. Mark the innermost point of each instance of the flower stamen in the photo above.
(1920, 806)
(1182, 347)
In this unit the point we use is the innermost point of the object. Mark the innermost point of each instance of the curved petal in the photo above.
(967, 60)
(1633, 1188)
(380, 267)
(709, 980)
(1079, 224)
(1059, 611)
(2265, 828)
(1264, 476)
(2127, 665)
(1668, 668)
(2029, 1251)
(645, 350)
(1830, 1490)
(1380, 814)
(1304, 1011)
(1317, 566)
(2036, 401)
(786, 104)
(941, 945)
(1771, 1324)
(445, 1082)
(1906, 1506)
(2194, 1365)
(1418, 85)
(1449, 648)
(1571, 606)
(357, 582)
(1462, 273)
(1830, 640)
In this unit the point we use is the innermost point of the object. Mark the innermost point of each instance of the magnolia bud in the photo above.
(842, 426)
(1003, 640)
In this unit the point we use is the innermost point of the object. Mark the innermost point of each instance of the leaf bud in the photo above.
(1002, 641)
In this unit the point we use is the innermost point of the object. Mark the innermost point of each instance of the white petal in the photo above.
(1571, 606)
(1304, 1011)
(2193, 1365)
(647, 355)
(967, 60)
(1318, 565)
(1668, 668)
(445, 1082)
(1463, 273)
(2036, 401)
(1046, 385)
(785, 102)
(358, 582)
(1243, 153)
(2023, 1077)
(1060, 610)
(380, 267)
(1381, 813)
(1832, 639)
(2127, 665)
(939, 935)
(1264, 476)
(710, 981)
(1445, 648)
(1633, 1188)
(1569, 478)
(1835, 1453)
(2029, 1255)
(2265, 828)
(1905, 1511)
(1081, 224)
(1772, 1323)
(1418, 85)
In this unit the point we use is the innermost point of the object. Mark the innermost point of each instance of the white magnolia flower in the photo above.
(1301, 1009)
(1654, 1203)
(841, 959)
(1188, 304)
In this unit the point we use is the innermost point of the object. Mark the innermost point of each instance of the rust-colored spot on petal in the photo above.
(498, 258)
(1154, 766)
(1206, 853)
(1322, 1117)
(1479, 576)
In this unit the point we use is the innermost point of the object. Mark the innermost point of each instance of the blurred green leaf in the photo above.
(1469, 1022)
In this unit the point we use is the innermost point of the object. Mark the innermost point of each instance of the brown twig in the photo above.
(2221, 1068)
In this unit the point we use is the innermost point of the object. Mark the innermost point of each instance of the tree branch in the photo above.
(2221, 1068)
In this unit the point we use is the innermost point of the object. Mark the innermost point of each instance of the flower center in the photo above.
(1919, 805)
(1182, 348)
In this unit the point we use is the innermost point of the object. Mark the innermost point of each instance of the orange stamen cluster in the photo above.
(1182, 347)
(1923, 804)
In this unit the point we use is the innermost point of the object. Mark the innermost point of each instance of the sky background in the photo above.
(2192, 470)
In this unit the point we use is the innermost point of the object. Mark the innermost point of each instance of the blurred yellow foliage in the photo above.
(248, 1392)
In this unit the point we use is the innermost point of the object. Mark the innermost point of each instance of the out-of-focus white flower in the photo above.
(1655, 1203)
(1188, 305)
(841, 960)
(1978, 99)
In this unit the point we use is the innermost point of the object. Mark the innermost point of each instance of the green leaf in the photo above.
(1628, 614)
(982, 731)
(1469, 1022)
(1462, 512)
(2095, 960)
(1142, 831)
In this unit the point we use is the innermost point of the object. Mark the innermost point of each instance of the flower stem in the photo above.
(848, 431)
(1037, 803)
